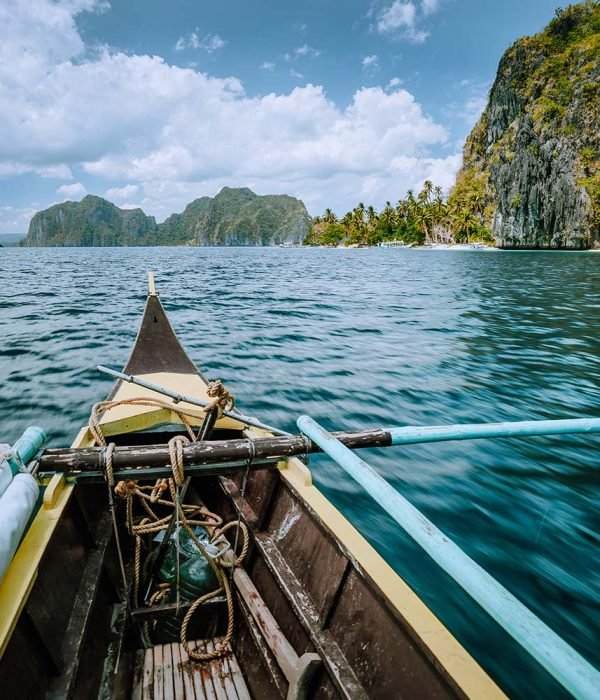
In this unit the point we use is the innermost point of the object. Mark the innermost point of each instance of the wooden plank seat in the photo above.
(164, 672)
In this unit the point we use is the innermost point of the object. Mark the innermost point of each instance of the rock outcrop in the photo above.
(537, 143)
(92, 222)
(238, 217)
(233, 217)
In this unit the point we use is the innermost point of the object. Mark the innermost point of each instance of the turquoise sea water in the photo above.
(365, 338)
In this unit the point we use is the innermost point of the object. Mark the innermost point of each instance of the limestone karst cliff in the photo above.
(233, 217)
(536, 146)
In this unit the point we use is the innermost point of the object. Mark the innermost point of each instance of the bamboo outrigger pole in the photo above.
(177, 398)
(220, 451)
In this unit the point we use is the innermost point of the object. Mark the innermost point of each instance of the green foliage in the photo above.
(428, 218)
(92, 222)
(553, 79)
(515, 200)
(233, 217)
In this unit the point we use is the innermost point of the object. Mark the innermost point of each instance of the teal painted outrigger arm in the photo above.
(568, 667)
(410, 435)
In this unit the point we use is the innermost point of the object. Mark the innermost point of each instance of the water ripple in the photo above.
(365, 338)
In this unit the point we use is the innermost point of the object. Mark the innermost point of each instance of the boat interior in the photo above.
(294, 602)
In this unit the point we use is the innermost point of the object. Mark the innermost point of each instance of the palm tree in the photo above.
(422, 218)
(425, 193)
(464, 221)
(371, 216)
(329, 217)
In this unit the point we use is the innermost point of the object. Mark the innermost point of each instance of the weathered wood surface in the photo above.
(165, 672)
(298, 670)
(75, 635)
(205, 452)
(152, 473)
(168, 609)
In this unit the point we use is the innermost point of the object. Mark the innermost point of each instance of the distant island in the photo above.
(531, 166)
(11, 239)
(236, 216)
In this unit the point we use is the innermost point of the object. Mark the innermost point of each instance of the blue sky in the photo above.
(153, 103)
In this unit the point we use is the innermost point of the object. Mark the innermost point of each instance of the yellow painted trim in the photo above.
(131, 418)
(18, 581)
(452, 656)
(22, 572)
(53, 490)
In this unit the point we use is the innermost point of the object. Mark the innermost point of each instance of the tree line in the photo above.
(429, 217)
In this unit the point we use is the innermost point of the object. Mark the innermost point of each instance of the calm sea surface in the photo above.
(365, 338)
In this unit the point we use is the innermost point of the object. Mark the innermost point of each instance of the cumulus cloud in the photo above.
(398, 15)
(394, 83)
(74, 191)
(429, 6)
(174, 133)
(401, 19)
(267, 65)
(122, 194)
(15, 219)
(195, 41)
(370, 63)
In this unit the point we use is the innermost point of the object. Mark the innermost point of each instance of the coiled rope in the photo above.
(189, 516)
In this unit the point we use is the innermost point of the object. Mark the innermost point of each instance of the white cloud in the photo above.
(429, 6)
(400, 19)
(268, 65)
(370, 63)
(469, 109)
(302, 51)
(394, 83)
(74, 191)
(121, 194)
(398, 15)
(15, 219)
(167, 130)
(306, 50)
(296, 74)
(195, 41)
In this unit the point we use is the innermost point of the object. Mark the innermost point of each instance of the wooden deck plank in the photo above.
(168, 672)
(211, 675)
(138, 675)
(148, 676)
(200, 675)
(187, 671)
(216, 674)
(238, 679)
(178, 686)
(158, 673)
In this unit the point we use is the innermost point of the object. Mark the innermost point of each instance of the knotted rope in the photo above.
(189, 516)
(220, 397)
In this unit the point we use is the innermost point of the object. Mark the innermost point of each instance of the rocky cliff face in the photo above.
(92, 222)
(239, 217)
(537, 143)
(233, 217)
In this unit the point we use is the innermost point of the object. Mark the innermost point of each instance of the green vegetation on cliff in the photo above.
(426, 218)
(233, 217)
(238, 217)
(535, 152)
(92, 222)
